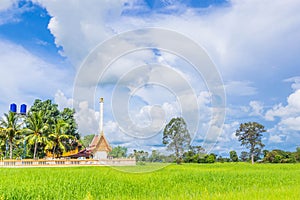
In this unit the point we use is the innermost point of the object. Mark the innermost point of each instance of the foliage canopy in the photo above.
(249, 134)
(177, 138)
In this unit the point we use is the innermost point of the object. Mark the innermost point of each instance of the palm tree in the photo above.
(10, 129)
(58, 138)
(36, 130)
(2, 142)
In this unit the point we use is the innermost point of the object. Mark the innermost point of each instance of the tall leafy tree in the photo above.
(297, 154)
(36, 130)
(140, 155)
(233, 156)
(52, 114)
(249, 134)
(59, 138)
(244, 156)
(195, 154)
(2, 142)
(198, 149)
(177, 138)
(10, 130)
(67, 114)
(155, 156)
(118, 152)
(86, 141)
(50, 110)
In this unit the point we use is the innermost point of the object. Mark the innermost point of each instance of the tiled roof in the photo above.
(99, 143)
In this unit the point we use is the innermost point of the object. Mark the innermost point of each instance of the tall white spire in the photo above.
(101, 116)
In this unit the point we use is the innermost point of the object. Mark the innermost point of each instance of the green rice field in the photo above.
(187, 181)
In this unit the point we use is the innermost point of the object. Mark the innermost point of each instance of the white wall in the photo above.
(100, 155)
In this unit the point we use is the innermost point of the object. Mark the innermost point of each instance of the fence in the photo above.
(67, 162)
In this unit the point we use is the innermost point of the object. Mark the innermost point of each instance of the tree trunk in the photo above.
(53, 153)
(178, 160)
(35, 148)
(10, 149)
(252, 158)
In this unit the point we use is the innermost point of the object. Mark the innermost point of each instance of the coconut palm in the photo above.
(10, 130)
(2, 142)
(36, 130)
(58, 138)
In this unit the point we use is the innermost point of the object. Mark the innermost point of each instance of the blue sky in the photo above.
(254, 45)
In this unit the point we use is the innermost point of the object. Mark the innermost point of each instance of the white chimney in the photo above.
(101, 116)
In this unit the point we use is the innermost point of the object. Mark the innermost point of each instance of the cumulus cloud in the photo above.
(292, 109)
(280, 136)
(257, 108)
(152, 117)
(218, 139)
(11, 11)
(276, 139)
(87, 119)
(25, 77)
(8, 13)
(295, 82)
(78, 27)
(291, 123)
(62, 101)
(242, 44)
(288, 126)
(6, 4)
(237, 40)
(234, 36)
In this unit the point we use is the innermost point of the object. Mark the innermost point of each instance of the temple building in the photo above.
(99, 146)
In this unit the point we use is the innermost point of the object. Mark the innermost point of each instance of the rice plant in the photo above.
(187, 181)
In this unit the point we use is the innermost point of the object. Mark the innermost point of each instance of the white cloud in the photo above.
(257, 108)
(6, 4)
(292, 109)
(62, 100)
(291, 123)
(8, 11)
(295, 82)
(88, 123)
(79, 26)
(288, 125)
(246, 40)
(275, 139)
(240, 88)
(87, 119)
(25, 77)
(218, 139)
(234, 36)
(149, 118)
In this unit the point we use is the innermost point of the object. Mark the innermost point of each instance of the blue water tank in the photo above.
(23, 109)
(13, 107)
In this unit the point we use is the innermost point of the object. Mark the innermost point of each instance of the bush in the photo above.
(210, 158)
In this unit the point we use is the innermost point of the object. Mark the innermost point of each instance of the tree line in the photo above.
(44, 129)
(177, 139)
(194, 156)
(47, 129)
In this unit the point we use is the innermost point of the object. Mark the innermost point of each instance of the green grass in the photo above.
(187, 181)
